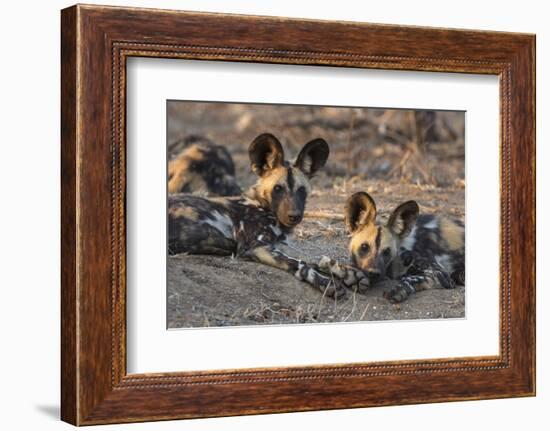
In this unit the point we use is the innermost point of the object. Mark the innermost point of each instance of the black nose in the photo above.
(294, 218)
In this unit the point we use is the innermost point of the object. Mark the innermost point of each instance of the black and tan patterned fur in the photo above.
(418, 251)
(202, 167)
(256, 225)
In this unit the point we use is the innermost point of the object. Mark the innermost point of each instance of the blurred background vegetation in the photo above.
(420, 147)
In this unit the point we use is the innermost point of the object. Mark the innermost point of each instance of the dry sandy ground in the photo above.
(368, 148)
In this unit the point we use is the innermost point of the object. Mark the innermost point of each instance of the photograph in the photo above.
(299, 214)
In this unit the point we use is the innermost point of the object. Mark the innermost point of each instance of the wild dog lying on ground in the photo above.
(255, 225)
(420, 251)
(202, 167)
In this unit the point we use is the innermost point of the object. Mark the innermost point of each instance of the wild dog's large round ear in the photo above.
(312, 157)
(360, 211)
(403, 218)
(265, 153)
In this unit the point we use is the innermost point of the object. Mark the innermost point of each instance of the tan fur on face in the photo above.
(373, 246)
(367, 234)
(278, 176)
(388, 240)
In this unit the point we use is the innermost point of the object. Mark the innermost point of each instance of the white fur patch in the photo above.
(408, 242)
(445, 261)
(432, 224)
(276, 230)
(222, 223)
(307, 162)
(310, 276)
(298, 274)
(325, 262)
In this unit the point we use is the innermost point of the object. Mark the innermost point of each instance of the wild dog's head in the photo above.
(283, 187)
(376, 247)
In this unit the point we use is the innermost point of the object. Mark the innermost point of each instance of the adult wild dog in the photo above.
(257, 224)
(202, 167)
(419, 251)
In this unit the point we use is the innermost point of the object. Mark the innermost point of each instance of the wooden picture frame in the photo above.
(95, 43)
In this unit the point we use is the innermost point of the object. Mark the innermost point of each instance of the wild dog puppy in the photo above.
(420, 251)
(256, 225)
(202, 167)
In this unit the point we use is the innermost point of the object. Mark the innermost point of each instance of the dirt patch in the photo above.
(242, 293)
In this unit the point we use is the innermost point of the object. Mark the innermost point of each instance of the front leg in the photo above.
(420, 277)
(270, 255)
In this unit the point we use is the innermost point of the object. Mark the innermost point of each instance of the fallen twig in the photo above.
(323, 214)
(364, 312)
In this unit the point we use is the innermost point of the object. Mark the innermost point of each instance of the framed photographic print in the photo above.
(265, 215)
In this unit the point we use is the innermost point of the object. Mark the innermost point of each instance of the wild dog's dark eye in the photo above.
(301, 190)
(365, 247)
(386, 252)
(278, 188)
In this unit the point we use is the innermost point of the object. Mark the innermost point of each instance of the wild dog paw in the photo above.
(335, 290)
(395, 295)
(328, 265)
(351, 278)
(399, 293)
(330, 285)
(325, 262)
(459, 277)
(357, 280)
(445, 279)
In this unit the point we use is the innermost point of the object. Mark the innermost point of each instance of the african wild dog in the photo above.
(419, 251)
(255, 225)
(202, 167)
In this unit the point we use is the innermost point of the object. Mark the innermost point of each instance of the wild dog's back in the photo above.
(439, 238)
(223, 226)
(201, 166)
(198, 225)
